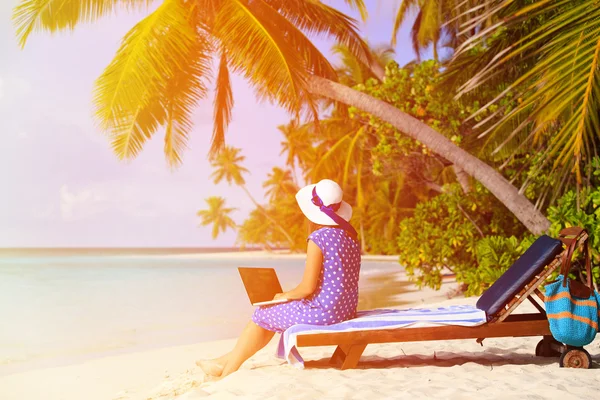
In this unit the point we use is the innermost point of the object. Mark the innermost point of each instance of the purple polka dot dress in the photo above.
(336, 297)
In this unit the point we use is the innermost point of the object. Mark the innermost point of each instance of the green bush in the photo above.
(444, 234)
(587, 215)
(441, 235)
(494, 255)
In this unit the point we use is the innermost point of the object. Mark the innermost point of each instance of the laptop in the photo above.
(261, 285)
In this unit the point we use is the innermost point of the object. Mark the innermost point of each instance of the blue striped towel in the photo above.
(381, 319)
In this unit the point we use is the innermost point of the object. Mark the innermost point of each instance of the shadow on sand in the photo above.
(447, 359)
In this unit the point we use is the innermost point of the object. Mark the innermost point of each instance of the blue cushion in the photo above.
(531, 263)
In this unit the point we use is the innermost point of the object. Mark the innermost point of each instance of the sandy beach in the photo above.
(503, 368)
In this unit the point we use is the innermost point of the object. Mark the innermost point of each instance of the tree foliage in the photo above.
(164, 64)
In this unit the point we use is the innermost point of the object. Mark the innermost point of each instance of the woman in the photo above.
(328, 293)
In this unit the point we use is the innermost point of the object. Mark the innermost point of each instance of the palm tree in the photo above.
(162, 67)
(217, 215)
(227, 166)
(279, 183)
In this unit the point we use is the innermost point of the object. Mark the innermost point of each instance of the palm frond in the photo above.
(359, 5)
(431, 23)
(562, 85)
(351, 153)
(134, 128)
(151, 55)
(261, 53)
(223, 105)
(414, 35)
(401, 15)
(317, 18)
(332, 151)
(183, 92)
(316, 62)
(56, 15)
(351, 66)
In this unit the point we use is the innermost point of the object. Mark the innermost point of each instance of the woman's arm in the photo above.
(314, 263)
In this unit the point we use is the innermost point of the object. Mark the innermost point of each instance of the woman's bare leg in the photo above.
(252, 339)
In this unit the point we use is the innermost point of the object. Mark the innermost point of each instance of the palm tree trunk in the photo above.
(516, 202)
(264, 212)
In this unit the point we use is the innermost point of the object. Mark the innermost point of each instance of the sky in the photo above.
(60, 183)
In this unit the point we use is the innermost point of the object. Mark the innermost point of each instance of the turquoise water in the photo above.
(60, 309)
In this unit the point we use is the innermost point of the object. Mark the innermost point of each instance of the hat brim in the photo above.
(314, 214)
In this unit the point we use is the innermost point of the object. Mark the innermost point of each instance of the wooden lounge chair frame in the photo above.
(351, 345)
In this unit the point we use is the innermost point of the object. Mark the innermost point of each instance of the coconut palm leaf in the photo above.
(351, 153)
(414, 35)
(55, 15)
(352, 70)
(316, 63)
(264, 40)
(360, 6)
(274, 69)
(183, 92)
(316, 18)
(152, 54)
(222, 105)
(401, 15)
(562, 86)
(431, 24)
(331, 152)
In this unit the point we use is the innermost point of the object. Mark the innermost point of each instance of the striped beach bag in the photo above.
(572, 305)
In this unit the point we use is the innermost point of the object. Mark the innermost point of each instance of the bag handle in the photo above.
(577, 232)
(570, 243)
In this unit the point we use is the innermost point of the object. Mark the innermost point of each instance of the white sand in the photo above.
(503, 369)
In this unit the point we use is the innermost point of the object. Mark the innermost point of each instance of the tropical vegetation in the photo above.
(455, 164)
(160, 73)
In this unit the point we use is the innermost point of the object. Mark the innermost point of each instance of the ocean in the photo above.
(62, 306)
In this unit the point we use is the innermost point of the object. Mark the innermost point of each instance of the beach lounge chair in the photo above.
(521, 281)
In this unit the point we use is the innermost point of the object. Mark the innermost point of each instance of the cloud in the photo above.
(1, 88)
(80, 204)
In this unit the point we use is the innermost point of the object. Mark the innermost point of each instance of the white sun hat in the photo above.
(330, 194)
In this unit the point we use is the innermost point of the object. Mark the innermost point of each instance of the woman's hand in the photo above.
(279, 296)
